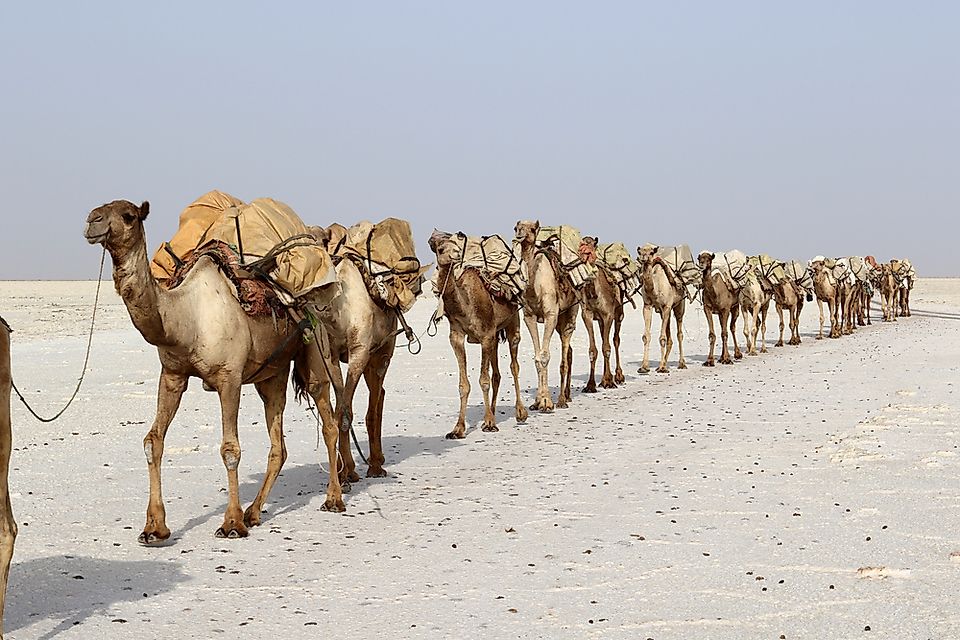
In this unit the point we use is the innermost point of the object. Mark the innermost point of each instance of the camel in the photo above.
(752, 299)
(479, 317)
(905, 274)
(600, 301)
(787, 294)
(719, 299)
(888, 292)
(200, 330)
(827, 289)
(664, 293)
(8, 526)
(549, 298)
(361, 335)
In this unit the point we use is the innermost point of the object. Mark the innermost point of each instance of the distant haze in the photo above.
(792, 129)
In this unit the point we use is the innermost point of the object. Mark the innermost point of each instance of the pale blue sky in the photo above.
(786, 128)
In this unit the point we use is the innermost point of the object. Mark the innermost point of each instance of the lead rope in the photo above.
(86, 357)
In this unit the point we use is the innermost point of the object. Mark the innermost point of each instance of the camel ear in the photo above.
(144, 210)
(713, 256)
(536, 226)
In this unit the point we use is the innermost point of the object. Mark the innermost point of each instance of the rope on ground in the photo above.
(86, 357)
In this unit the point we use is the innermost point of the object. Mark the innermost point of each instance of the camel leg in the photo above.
(795, 321)
(779, 342)
(833, 305)
(359, 360)
(591, 386)
(618, 375)
(763, 327)
(709, 362)
(678, 311)
(169, 393)
(233, 527)
(607, 380)
(331, 435)
(820, 307)
(647, 320)
(749, 326)
(513, 340)
(490, 382)
(457, 338)
(734, 314)
(666, 343)
(374, 375)
(273, 392)
(541, 350)
(568, 324)
(724, 327)
(8, 525)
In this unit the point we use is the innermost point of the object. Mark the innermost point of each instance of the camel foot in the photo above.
(490, 428)
(643, 370)
(618, 378)
(709, 363)
(738, 355)
(726, 360)
(544, 406)
(563, 403)
(346, 477)
(455, 435)
(764, 350)
(231, 532)
(521, 413)
(608, 383)
(780, 343)
(819, 338)
(752, 353)
(682, 364)
(376, 472)
(152, 538)
(333, 505)
(662, 369)
(251, 517)
(590, 388)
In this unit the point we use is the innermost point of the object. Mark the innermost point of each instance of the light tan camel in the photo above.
(788, 295)
(905, 276)
(8, 526)
(600, 301)
(361, 334)
(663, 293)
(827, 290)
(551, 299)
(200, 330)
(752, 298)
(721, 300)
(888, 292)
(477, 316)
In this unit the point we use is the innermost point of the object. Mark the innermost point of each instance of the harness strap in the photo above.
(302, 326)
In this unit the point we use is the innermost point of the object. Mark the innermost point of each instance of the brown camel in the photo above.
(361, 333)
(906, 275)
(888, 292)
(551, 299)
(662, 292)
(477, 316)
(827, 289)
(8, 526)
(200, 330)
(787, 294)
(600, 301)
(720, 299)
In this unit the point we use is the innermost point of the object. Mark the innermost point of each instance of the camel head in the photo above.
(646, 254)
(817, 267)
(440, 244)
(526, 231)
(705, 260)
(117, 225)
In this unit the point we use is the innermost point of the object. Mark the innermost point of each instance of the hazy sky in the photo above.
(786, 128)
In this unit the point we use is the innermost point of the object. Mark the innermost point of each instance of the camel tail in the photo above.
(299, 384)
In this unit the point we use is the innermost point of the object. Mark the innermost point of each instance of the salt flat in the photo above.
(811, 492)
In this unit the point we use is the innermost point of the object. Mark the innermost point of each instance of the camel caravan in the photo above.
(249, 293)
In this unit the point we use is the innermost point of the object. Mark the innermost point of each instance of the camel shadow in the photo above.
(298, 485)
(943, 315)
(70, 589)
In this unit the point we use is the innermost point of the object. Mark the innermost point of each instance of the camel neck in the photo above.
(140, 292)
